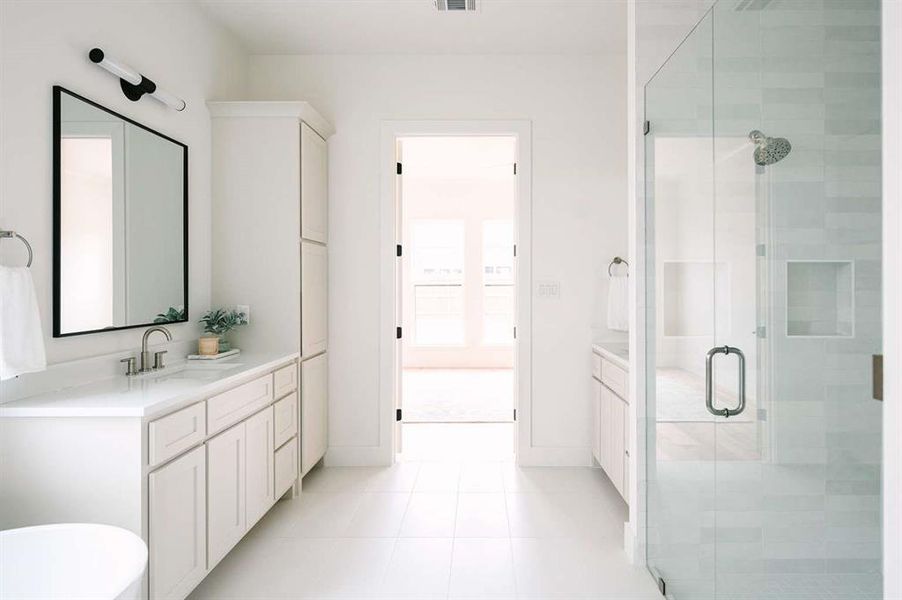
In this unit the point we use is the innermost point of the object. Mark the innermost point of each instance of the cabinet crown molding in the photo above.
(273, 109)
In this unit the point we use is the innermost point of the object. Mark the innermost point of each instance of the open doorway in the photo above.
(456, 201)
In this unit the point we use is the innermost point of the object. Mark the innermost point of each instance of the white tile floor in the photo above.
(449, 528)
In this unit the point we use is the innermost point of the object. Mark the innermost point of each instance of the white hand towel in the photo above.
(21, 337)
(618, 303)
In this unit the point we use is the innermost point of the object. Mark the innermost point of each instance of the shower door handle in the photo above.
(709, 381)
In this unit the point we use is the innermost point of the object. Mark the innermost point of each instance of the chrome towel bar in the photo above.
(11, 234)
(617, 261)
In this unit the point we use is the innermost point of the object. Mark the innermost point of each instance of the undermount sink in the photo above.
(192, 370)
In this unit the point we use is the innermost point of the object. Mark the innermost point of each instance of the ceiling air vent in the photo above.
(455, 5)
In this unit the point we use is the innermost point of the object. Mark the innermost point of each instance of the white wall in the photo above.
(46, 43)
(578, 111)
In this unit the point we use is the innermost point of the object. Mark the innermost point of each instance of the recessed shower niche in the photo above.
(820, 298)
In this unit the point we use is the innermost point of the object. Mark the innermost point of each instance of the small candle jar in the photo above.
(208, 345)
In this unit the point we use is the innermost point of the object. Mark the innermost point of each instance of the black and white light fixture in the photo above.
(134, 85)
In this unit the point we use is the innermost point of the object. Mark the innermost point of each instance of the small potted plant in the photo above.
(219, 321)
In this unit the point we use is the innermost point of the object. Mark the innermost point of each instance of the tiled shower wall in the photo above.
(803, 519)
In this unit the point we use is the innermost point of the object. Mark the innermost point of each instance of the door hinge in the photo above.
(398, 333)
(877, 369)
(398, 250)
(515, 168)
(515, 333)
(646, 128)
(397, 414)
(515, 414)
(761, 332)
(761, 250)
(398, 168)
(515, 249)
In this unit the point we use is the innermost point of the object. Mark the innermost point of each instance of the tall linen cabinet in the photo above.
(270, 242)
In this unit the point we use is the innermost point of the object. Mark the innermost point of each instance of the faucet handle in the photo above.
(131, 368)
(158, 359)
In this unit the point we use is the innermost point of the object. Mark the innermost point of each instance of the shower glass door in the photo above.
(763, 251)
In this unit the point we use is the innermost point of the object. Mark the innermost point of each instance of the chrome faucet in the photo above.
(157, 356)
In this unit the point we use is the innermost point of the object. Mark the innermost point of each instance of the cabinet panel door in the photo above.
(314, 298)
(177, 526)
(596, 420)
(314, 186)
(226, 477)
(604, 428)
(259, 455)
(314, 411)
(618, 416)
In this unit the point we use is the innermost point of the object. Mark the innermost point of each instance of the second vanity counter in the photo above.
(149, 395)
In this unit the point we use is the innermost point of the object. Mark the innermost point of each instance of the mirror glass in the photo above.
(120, 221)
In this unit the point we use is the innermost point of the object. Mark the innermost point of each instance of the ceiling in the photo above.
(415, 27)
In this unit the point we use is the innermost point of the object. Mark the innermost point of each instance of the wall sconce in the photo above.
(134, 85)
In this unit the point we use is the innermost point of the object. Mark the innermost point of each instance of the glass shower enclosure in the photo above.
(763, 224)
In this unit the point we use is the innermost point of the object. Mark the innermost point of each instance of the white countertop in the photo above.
(148, 395)
(616, 352)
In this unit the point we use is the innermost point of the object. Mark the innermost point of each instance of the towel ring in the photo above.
(617, 261)
(10, 234)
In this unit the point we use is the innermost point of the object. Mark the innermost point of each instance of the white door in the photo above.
(314, 186)
(259, 456)
(177, 525)
(314, 298)
(314, 411)
(226, 500)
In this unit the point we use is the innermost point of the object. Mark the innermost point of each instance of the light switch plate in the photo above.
(246, 309)
(548, 289)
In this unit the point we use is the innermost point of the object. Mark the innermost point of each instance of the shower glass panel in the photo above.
(763, 244)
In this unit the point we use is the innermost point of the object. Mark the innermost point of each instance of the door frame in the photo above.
(388, 295)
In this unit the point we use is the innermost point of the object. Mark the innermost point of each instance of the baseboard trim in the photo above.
(357, 456)
(549, 456)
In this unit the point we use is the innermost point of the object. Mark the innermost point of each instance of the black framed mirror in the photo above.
(120, 221)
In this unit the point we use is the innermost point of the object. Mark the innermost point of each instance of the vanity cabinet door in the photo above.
(177, 520)
(314, 186)
(314, 411)
(597, 435)
(260, 446)
(618, 447)
(314, 294)
(226, 481)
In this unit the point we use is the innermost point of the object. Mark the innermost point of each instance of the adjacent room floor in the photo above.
(439, 524)
(458, 395)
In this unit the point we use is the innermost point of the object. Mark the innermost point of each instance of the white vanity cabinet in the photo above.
(227, 486)
(189, 465)
(610, 420)
(314, 413)
(177, 503)
(270, 162)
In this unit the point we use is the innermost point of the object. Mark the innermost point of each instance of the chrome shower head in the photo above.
(769, 150)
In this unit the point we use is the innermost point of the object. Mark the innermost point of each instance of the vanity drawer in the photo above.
(596, 366)
(230, 407)
(175, 433)
(615, 378)
(286, 466)
(285, 380)
(286, 418)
